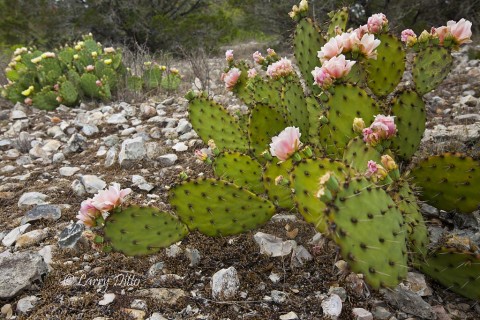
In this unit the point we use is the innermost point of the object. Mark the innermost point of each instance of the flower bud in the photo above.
(358, 125)
(388, 162)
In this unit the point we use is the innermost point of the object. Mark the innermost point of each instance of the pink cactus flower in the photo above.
(368, 45)
(28, 101)
(440, 32)
(230, 78)
(89, 68)
(109, 50)
(372, 168)
(56, 87)
(321, 77)
(106, 200)
(361, 31)
(385, 126)
(375, 171)
(258, 58)
(281, 68)
(286, 143)
(88, 213)
(349, 40)
(376, 22)
(409, 37)
(59, 99)
(252, 73)
(99, 83)
(370, 137)
(461, 31)
(271, 52)
(331, 49)
(229, 55)
(338, 67)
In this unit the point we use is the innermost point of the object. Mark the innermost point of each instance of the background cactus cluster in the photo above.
(72, 73)
(338, 152)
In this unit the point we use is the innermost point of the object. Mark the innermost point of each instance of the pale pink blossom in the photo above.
(59, 99)
(440, 32)
(231, 77)
(106, 200)
(376, 22)
(461, 31)
(88, 213)
(201, 155)
(258, 58)
(321, 77)
(370, 137)
(89, 68)
(368, 45)
(109, 50)
(28, 101)
(271, 52)
(372, 168)
(361, 31)
(99, 83)
(48, 55)
(338, 67)
(286, 143)
(375, 171)
(56, 87)
(349, 40)
(409, 37)
(229, 55)
(331, 49)
(252, 73)
(385, 125)
(281, 68)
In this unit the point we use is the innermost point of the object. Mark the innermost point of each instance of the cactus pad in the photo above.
(386, 71)
(265, 122)
(345, 103)
(339, 21)
(410, 117)
(430, 67)
(266, 91)
(305, 178)
(280, 195)
(368, 227)
(241, 169)
(449, 182)
(296, 106)
(307, 42)
(358, 153)
(45, 100)
(219, 208)
(241, 89)
(141, 231)
(458, 271)
(212, 121)
(69, 93)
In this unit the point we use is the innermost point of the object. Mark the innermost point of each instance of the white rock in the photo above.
(31, 238)
(89, 130)
(51, 146)
(31, 198)
(68, 171)
(107, 299)
(167, 160)
(37, 152)
(26, 304)
(133, 150)
(78, 188)
(362, 314)
(111, 157)
(180, 147)
(183, 127)
(274, 246)
(416, 283)
(156, 316)
(225, 284)
(117, 118)
(92, 183)
(13, 235)
(47, 255)
(17, 114)
(173, 251)
(332, 306)
(289, 316)
(58, 157)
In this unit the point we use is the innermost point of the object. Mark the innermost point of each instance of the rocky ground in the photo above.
(51, 161)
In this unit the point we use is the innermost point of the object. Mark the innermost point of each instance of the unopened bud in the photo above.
(358, 125)
(388, 162)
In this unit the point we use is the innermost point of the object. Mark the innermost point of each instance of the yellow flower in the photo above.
(107, 61)
(163, 68)
(18, 58)
(94, 54)
(75, 57)
(28, 91)
(36, 60)
(174, 70)
(78, 47)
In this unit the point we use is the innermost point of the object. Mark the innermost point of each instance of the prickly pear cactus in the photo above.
(212, 121)
(295, 105)
(431, 66)
(358, 153)
(264, 123)
(279, 194)
(219, 208)
(305, 182)
(138, 231)
(338, 21)
(371, 239)
(410, 117)
(240, 169)
(449, 182)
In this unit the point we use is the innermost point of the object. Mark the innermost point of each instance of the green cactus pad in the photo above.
(315, 111)
(305, 178)
(449, 182)
(219, 208)
(152, 77)
(242, 90)
(49, 71)
(386, 71)
(456, 270)
(266, 91)
(339, 19)
(45, 100)
(345, 103)
(307, 42)
(138, 231)
(407, 203)
(134, 83)
(280, 195)
(66, 56)
(88, 85)
(430, 67)
(358, 153)
(295, 105)
(365, 222)
(212, 121)
(240, 169)
(69, 93)
(265, 122)
(410, 117)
